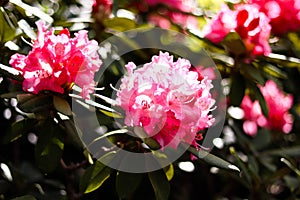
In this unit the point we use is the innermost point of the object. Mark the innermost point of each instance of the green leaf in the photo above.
(7, 29)
(241, 164)
(61, 105)
(49, 147)
(283, 152)
(33, 10)
(26, 197)
(262, 102)
(119, 131)
(111, 114)
(282, 60)
(11, 94)
(18, 129)
(291, 166)
(169, 171)
(212, 159)
(10, 72)
(96, 174)
(274, 71)
(160, 184)
(119, 23)
(34, 103)
(237, 89)
(234, 44)
(27, 29)
(127, 183)
(253, 74)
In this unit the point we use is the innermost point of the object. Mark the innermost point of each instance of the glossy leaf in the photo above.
(111, 114)
(127, 183)
(283, 60)
(274, 71)
(169, 171)
(234, 44)
(291, 151)
(11, 94)
(10, 72)
(96, 174)
(119, 24)
(212, 159)
(160, 184)
(7, 29)
(34, 103)
(33, 10)
(253, 74)
(61, 105)
(27, 29)
(244, 169)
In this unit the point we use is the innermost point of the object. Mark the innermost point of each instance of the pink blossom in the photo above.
(251, 25)
(284, 14)
(166, 99)
(278, 103)
(164, 21)
(182, 5)
(101, 9)
(171, 11)
(57, 61)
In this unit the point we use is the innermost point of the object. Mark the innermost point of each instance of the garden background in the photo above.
(248, 50)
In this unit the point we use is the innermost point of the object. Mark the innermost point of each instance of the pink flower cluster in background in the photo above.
(279, 118)
(172, 13)
(57, 61)
(167, 100)
(182, 5)
(246, 19)
(101, 9)
(284, 14)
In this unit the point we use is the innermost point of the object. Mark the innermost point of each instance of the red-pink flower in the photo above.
(182, 5)
(102, 9)
(278, 103)
(170, 12)
(166, 99)
(284, 14)
(57, 61)
(251, 24)
(165, 21)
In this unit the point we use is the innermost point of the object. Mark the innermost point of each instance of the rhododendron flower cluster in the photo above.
(101, 9)
(57, 61)
(167, 100)
(251, 24)
(182, 5)
(284, 14)
(278, 119)
(171, 13)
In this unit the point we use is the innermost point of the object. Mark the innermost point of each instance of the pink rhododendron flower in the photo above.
(57, 61)
(251, 24)
(182, 5)
(278, 104)
(164, 21)
(284, 14)
(170, 12)
(101, 9)
(167, 100)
